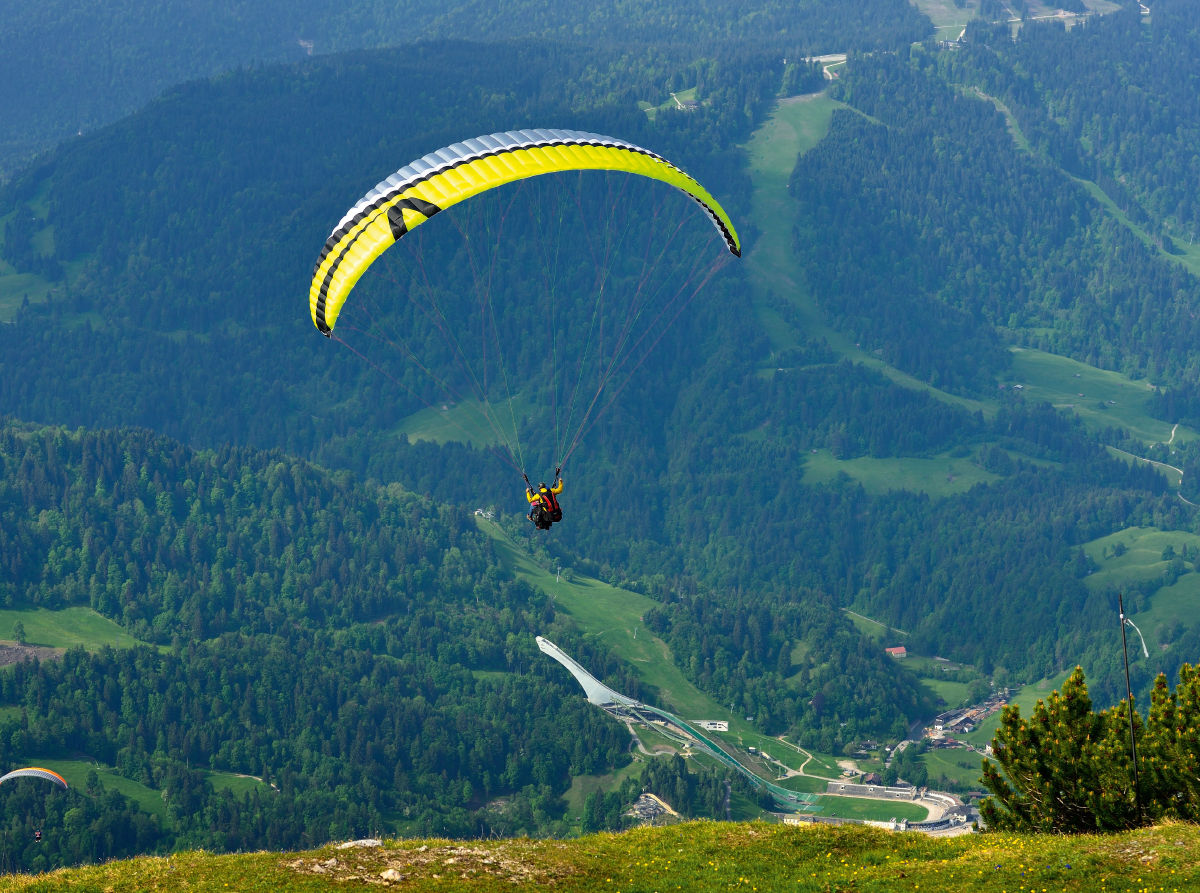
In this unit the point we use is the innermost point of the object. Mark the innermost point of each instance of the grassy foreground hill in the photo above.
(696, 856)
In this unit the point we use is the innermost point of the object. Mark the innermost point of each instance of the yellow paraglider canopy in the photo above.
(431, 184)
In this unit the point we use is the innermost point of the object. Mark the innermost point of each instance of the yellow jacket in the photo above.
(534, 496)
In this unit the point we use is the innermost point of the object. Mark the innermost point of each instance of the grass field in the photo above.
(947, 18)
(1050, 377)
(797, 125)
(148, 799)
(76, 772)
(655, 741)
(953, 694)
(64, 629)
(875, 630)
(697, 856)
(940, 476)
(615, 614)
(1026, 698)
(582, 785)
(466, 421)
(804, 784)
(871, 810)
(1143, 561)
(946, 762)
(238, 785)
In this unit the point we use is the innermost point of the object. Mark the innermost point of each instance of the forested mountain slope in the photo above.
(317, 633)
(1115, 99)
(358, 647)
(195, 223)
(72, 65)
(935, 212)
(207, 210)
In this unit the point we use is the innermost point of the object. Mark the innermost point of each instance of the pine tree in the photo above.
(1065, 768)
(1068, 769)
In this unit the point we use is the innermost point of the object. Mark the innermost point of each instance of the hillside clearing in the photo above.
(468, 421)
(938, 476)
(64, 629)
(703, 856)
(1108, 398)
(76, 772)
(948, 762)
(1142, 560)
(615, 614)
(797, 124)
(1026, 698)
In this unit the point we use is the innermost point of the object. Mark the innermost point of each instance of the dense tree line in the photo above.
(72, 67)
(940, 216)
(261, 190)
(1124, 97)
(354, 707)
(692, 791)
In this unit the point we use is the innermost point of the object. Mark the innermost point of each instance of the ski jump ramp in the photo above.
(602, 696)
(597, 692)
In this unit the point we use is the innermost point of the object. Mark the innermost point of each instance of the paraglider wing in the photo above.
(431, 184)
(35, 772)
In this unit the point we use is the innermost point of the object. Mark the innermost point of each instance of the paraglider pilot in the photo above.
(543, 503)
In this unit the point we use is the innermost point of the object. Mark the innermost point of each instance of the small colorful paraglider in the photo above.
(35, 772)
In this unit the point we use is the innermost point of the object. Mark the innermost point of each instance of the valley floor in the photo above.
(695, 856)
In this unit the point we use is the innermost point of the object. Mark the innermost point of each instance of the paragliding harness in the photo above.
(545, 511)
(548, 496)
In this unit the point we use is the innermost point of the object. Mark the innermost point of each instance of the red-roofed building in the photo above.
(897, 652)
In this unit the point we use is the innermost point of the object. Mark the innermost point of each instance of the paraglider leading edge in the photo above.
(443, 178)
(35, 772)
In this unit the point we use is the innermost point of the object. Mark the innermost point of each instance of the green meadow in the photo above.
(704, 857)
(1109, 398)
(870, 810)
(885, 635)
(465, 421)
(583, 785)
(952, 694)
(1142, 560)
(937, 476)
(1026, 697)
(76, 771)
(63, 629)
(948, 763)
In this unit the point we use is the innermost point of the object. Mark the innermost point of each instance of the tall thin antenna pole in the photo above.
(1137, 789)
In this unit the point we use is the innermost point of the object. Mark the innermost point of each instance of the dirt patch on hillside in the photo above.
(523, 863)
(12, 653)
